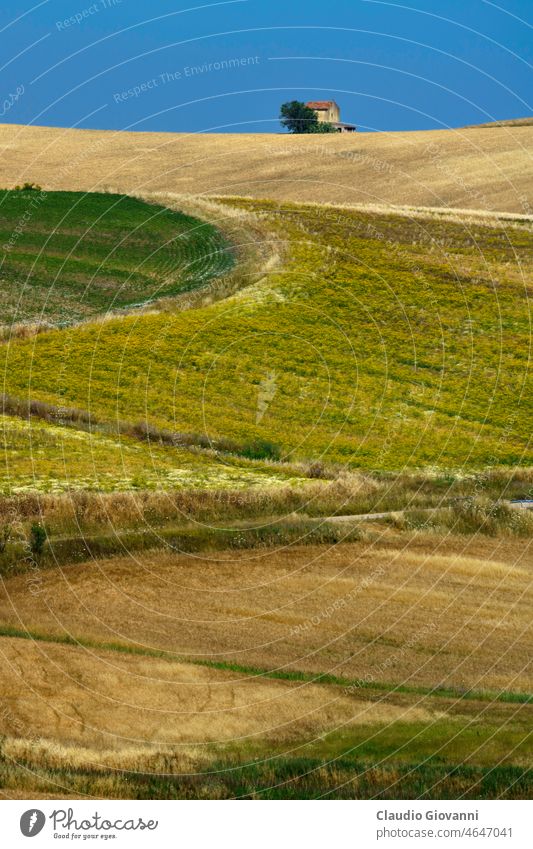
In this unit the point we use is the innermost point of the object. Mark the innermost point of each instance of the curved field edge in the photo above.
(374, 612)
(412, 378)
(382, 739)
(392, 722)
(436, 747)
(243, 239)
(71, 256)
(257, 253)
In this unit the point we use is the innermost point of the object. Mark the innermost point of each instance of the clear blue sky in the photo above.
(401, 64)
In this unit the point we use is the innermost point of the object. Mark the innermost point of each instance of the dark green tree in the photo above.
(323, 127)
(37, 539)
(297, 117)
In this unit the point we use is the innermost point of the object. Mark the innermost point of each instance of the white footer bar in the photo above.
(267, 824)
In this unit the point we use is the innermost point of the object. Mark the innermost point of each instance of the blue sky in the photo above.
(194, 66)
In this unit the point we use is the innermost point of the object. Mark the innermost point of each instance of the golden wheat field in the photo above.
(423, 610)
(470, 168)
(138, 668)
(104, 700)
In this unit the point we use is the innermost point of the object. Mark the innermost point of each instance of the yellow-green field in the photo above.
(383, 342)
(46, 458)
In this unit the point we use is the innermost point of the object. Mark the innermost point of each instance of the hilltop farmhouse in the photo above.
(327, 111)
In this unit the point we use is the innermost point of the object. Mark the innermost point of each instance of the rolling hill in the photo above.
(463, 168)
(181, 616)
(379, 341)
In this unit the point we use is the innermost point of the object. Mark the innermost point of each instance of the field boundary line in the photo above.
(281, 674)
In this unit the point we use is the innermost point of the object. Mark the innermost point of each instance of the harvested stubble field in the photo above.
(472, 168)
(342, 664)
(349, 610)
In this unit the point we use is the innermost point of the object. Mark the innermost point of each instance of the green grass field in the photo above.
(369, 772)
(70, 255)
(383, 343)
